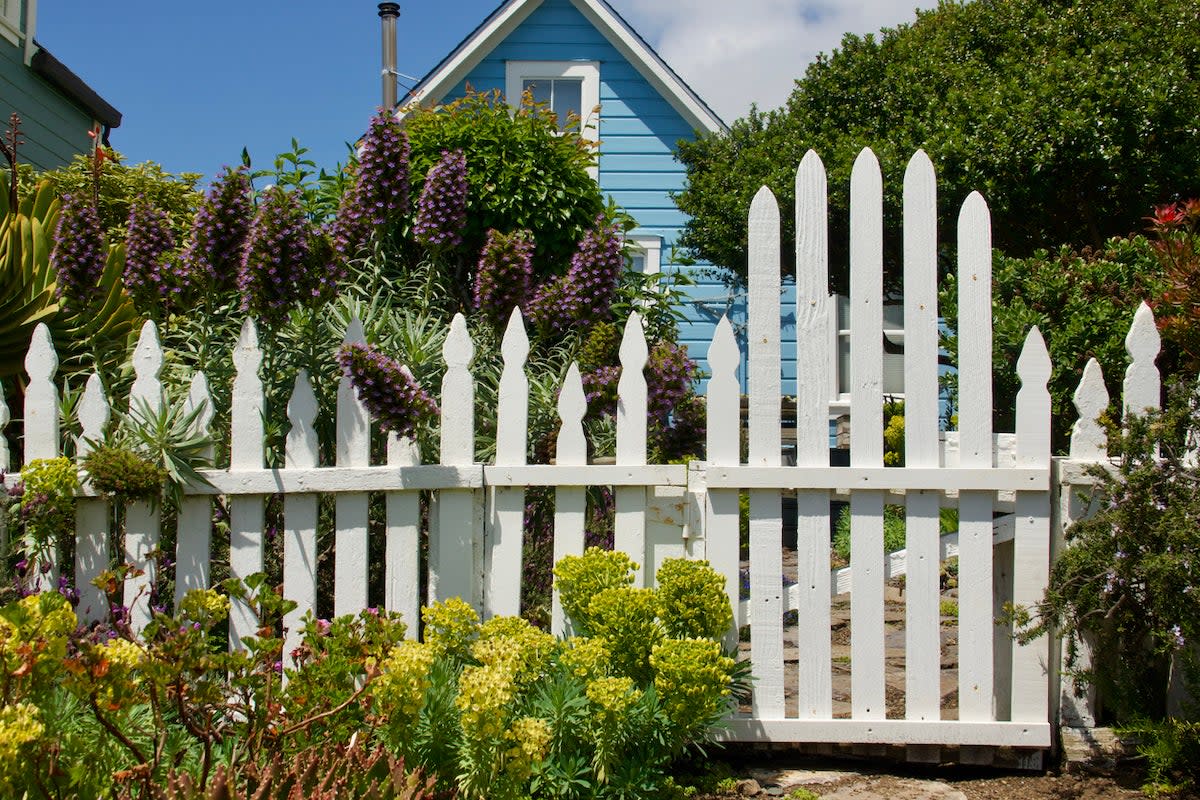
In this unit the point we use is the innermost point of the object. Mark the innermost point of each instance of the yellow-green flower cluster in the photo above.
(613, 696)
(205, 606)
(580, 578)
(626, 619)
(587, 658)
(692, 680)
(451, 627)
(484, 694)
(55, 477)
(403, 680)
(513, 639)
(691, 600)
(19, 726)
(530, 739)
(33, 637)
(112, 676)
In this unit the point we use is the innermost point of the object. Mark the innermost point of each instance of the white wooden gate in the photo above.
(475, 524)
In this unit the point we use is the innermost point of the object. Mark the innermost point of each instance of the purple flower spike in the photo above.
(387, 389)
(505, 273)
(219, 231)
(79, 253)
(153, 276)
(584, 295)
(442, 209)
(380, 192)
(274, 270)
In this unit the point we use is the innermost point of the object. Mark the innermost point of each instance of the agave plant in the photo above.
(28, 293)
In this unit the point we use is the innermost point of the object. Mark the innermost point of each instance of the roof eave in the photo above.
(60, 76)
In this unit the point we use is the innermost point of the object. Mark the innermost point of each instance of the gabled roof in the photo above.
(505, 19)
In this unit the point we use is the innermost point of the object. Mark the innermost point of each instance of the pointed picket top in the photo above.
(812, 239)
(94, 413)
(199, 397)
(921, 401)
(632, 394)
(246, 356)
(352, 422)
(512, 418)
(723, 430)
(724, 357)
(1089, 440)
(1142, 380)
(41, 362)
(515, 345)
(1033, 365)
(301, 446)
(634, 351)
(1033, 401)
(354, 332)
(458, 350)
(866, 173)
(571, 446)
(764, 206)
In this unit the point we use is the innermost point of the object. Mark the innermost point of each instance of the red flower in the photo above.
(1168, 215)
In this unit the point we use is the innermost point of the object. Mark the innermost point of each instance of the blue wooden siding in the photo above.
(638, 132)
(53, 127)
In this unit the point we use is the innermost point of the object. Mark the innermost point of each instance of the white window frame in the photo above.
(517, 72)
(10, 21)
(651, 249)
(839, 400)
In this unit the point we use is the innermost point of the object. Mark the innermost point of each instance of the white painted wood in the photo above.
(723, 430)
(91, 514)
(1143, 385)
(1031, 545)
(142, 522)
(361, 479)
(975, 643)
(922, 665)
(1089, 440)
(350, 509)
(506, 515)
(866, 436)
(813, 309)
(629, 527)
(194, 539)
(586, 475)
(457, 552)
(301, 449)
(766, 520)
(246, 444)
(41, 433)
(570, 503)
(892, 731)
(857, 478)
(402, 576)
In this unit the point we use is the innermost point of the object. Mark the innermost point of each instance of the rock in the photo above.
(748, 788)
(773, 790)
(893, 788)
(801, 777)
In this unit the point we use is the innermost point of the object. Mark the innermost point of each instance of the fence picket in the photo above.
(41, 429)
(1089, 439)
(194, 537)
(402, 575)
(1031, 544)
(245, 453)
(975, 611)
(866, 440)
(766, 514)
(91, 513)
(570, 502)
(142, 522)
(629, 530)
(351, 508)
(723, 448)
(813, 308)
(456, 549)
(922, 650)
(1142, 385)
(506, 521)
(301, 449)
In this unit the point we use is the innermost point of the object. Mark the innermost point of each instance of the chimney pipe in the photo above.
(388, 12)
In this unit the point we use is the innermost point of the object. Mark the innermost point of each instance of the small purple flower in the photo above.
(504, 274)
(274, 272)
(584, 295)
(386, 388)
(79, 252)
(154, 278)
(442, 209)
(380, 191)
(219, 231)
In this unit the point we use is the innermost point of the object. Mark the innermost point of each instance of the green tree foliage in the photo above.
(1083, 302)
(1072, 117)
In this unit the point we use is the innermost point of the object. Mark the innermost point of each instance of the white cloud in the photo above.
(738, 52)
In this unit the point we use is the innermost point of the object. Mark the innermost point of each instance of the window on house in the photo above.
(646, 253)
(893, 363)
(563, 96)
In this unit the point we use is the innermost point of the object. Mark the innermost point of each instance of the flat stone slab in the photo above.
(893, 788)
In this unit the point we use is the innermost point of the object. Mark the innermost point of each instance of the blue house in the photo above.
(581, 56)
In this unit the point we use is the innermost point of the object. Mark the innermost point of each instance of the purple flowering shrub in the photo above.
(275, 270)
(442, 210)
(584, 296)
(79, 252)
(379, 194)
(388, 390)
(219, 231)
(504, 275)
(154, 276)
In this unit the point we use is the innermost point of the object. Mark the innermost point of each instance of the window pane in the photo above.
(539, 89)
(568, 97)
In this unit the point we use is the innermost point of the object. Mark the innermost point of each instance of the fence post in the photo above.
(41, 433)
(194, 540)
(506, 514)
(350, 571)
(91, 513)
(301, 450)
(142, 522)
(245, 453)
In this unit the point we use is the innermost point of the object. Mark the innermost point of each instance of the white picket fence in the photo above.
(476, 515)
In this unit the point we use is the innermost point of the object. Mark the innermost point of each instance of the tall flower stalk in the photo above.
(79, 252)
(442, 209)
(219, 231)
(584, 296)
(274, 272)
(504, 274)
(388, 390)
(154, 278)
(379, 195)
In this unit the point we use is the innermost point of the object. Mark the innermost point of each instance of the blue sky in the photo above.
(198, 81)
